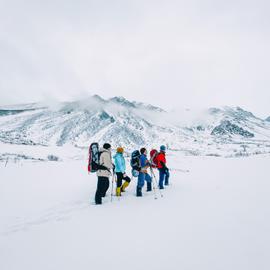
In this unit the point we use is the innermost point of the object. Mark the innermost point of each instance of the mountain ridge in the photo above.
(133, 124)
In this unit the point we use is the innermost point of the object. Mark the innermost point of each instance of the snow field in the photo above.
(216, 216)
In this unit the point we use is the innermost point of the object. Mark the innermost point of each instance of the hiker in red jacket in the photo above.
(162, 167)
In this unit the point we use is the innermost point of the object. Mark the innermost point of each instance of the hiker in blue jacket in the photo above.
(143, 174)
(120, 170)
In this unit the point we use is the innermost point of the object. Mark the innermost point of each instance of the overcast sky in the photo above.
(175, 54)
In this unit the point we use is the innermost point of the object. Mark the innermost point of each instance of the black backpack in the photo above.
(135, 160)
(94, 159)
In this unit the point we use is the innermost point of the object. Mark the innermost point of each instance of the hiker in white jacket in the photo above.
(104, 174)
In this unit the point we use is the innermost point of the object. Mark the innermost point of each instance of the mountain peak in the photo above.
(214, 110)
(237, 112)
(244, 112)
(97, 98)
(121, 100)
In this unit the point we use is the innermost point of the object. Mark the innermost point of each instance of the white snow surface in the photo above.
(215, 215)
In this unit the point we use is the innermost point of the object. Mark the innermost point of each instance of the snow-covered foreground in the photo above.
(214, 216)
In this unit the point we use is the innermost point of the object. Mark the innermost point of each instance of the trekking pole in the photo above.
(112, 188)
(116, 181)
(154, 187)
(132, 177)
(152, 171)
(7, 162)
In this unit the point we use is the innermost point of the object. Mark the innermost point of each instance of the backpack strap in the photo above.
(101, 166)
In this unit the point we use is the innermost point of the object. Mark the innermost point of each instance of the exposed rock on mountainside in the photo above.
(227, 128)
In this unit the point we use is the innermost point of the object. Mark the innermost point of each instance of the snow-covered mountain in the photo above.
(225, 131)
(115, 120)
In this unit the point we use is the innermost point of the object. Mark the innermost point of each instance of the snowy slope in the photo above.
(224, 131)
(216, 216)
(80, 122)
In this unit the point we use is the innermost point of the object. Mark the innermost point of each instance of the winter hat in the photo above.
(143, 150)
(120, 150)
(163, 148)
(107, 146)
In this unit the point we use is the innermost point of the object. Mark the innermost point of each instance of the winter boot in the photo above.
(124, 186)
(149, 186)
(118, 191)
(139, 192)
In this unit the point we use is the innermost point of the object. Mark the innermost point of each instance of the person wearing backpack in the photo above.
(120, 170)
(164, 173)
(104, 173)
(143, 174)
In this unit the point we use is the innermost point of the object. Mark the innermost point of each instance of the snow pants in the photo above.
(163, 175)
(102, 187)
(142, 178)
(120, 178)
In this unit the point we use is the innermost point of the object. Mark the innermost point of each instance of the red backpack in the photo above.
(154, 158)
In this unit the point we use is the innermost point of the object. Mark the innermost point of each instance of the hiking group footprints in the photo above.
(59, 213)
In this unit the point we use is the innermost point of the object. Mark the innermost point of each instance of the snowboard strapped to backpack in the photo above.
(135, 162)
(94, 159)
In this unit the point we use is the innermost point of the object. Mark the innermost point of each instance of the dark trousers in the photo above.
(120, 178)
(102, 187)
(163, 175)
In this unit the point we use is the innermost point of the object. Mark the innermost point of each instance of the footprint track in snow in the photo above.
(59, 213)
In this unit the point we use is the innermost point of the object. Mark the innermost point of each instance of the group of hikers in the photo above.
(102, 162)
